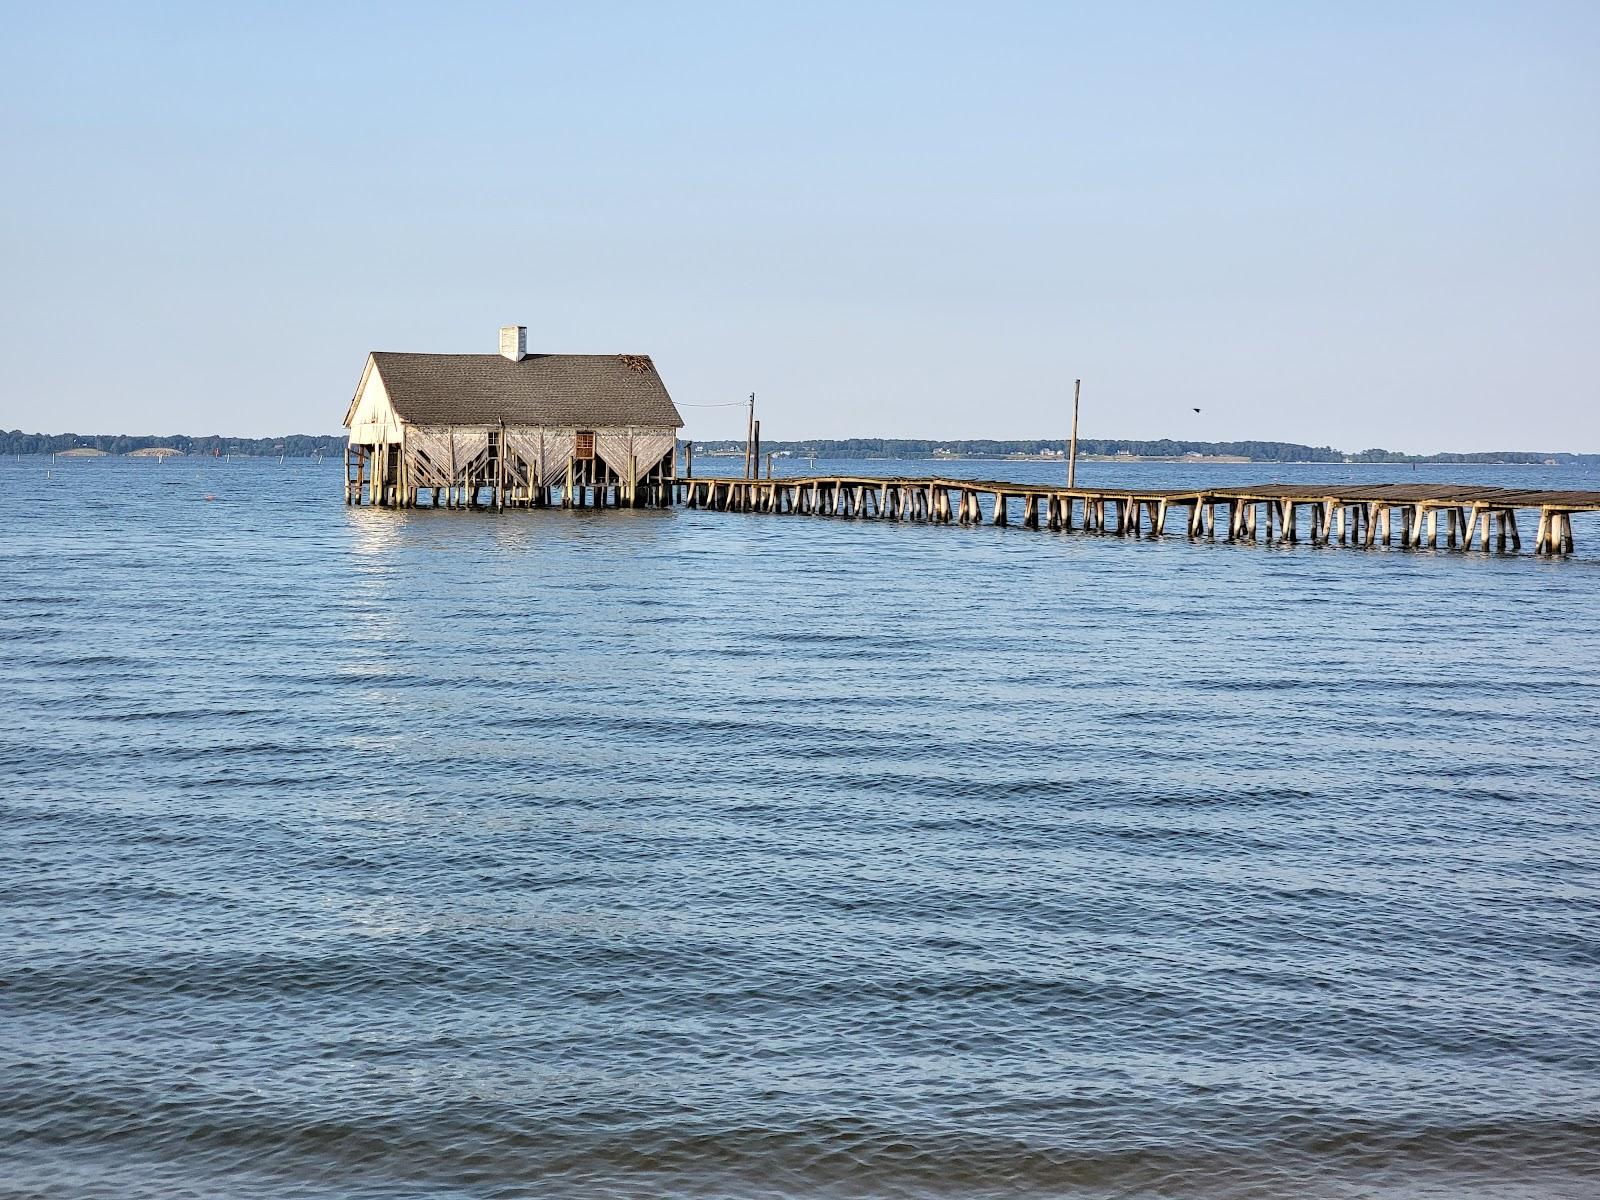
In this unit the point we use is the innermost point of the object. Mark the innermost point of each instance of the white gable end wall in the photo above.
(372, 417)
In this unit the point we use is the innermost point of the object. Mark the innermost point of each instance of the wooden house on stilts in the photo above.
(511, 429)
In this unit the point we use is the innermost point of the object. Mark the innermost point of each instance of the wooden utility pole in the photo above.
(750, 442)
(1072, 451)
(755, 452)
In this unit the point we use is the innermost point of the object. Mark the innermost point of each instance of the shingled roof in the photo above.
(578, 391)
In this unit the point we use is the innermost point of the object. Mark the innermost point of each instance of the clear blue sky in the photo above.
(1356, 224)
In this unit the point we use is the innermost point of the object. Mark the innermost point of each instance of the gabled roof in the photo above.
(579, 391)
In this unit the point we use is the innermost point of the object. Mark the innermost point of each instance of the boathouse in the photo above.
(510, 429)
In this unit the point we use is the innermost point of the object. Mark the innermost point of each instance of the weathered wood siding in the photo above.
(545, 451)
(631, 453)
(440, 456)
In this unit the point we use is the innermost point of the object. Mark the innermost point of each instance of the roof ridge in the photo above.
(530, 354)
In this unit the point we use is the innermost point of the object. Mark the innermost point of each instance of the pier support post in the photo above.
(1551, 534)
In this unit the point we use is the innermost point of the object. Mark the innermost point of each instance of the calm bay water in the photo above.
(354, 853)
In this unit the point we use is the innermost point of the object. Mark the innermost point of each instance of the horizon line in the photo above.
(775, 444)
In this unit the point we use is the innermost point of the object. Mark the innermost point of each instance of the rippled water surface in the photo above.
(354, 853)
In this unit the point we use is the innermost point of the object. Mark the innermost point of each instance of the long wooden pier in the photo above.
(1463, 516)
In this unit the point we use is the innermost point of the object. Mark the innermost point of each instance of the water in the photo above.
(348, 853)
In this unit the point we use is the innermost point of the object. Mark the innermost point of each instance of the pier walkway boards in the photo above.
(1463, 516)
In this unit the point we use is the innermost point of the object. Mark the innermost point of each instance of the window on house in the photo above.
(585, 445)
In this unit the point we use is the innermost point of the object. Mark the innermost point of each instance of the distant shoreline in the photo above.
(1565, 461)
(1198, 461)
(1108, 450)
(1090, 450)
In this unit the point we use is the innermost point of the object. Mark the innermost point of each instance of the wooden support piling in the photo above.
(498, 475)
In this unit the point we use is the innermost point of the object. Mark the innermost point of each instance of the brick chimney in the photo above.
(514, 342)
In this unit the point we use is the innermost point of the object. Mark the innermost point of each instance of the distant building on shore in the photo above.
(515, 421)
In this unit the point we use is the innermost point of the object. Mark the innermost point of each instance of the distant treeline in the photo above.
(295, 445)
(304, 445)
(1279, 452)
(1518, 457)
(999, 448)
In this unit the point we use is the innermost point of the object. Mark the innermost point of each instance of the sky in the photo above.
(1355, 224)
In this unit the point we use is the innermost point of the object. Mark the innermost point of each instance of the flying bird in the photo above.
(1197, 410)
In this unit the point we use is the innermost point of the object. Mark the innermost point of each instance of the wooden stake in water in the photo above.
(1072, 451)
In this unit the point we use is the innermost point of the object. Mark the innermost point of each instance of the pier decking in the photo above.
(1360, 515)
(1456, 516)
